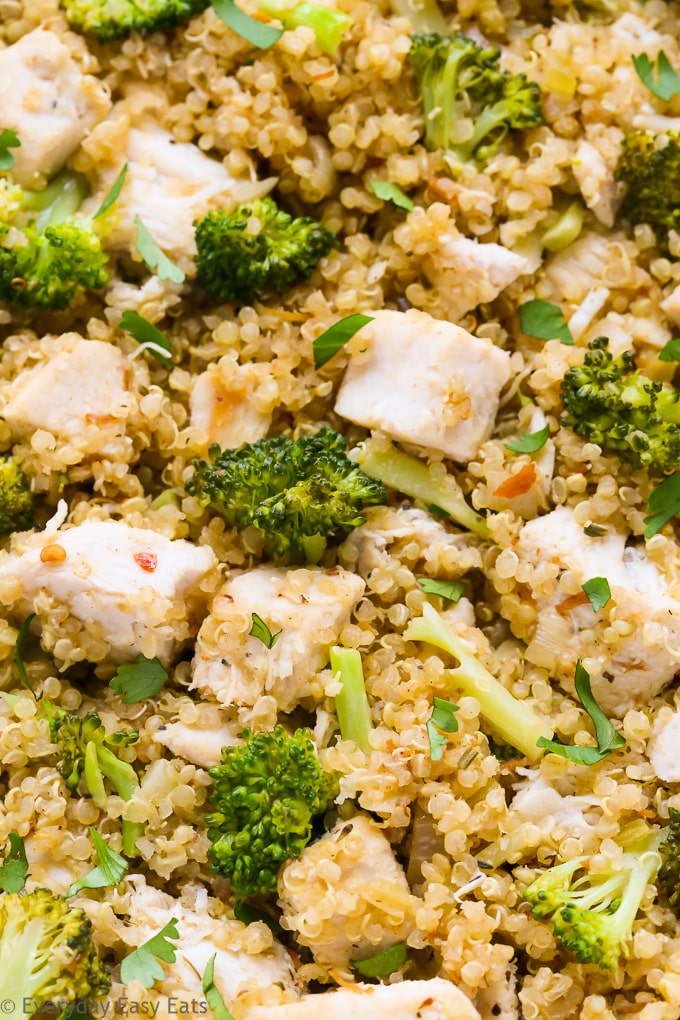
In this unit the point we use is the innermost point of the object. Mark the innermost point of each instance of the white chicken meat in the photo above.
(49, 102)
(436, 999)
(130, 588)
(423, 381)
(309, 607)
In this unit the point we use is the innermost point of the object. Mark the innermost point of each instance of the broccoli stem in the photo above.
(491, 119)
(124, 780)
(668, 406)
(94, 780)
(408, 474)
(424, 15)
(351, 704)
(515, 721)
(567, 228)
(329, 26)
(59, 201)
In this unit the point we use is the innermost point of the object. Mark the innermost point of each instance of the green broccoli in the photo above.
(459, 78)
(267, 793)
(83, 755)
(257, 249)
(611, 404)
(408, 474)
(351, 704)
(668, 879)
(116, 19)
(330, 26)
(514, 721)
(652, 174)
(52, 258)
(592, 914)
(46, 953)
(296, 491)
(16, 501)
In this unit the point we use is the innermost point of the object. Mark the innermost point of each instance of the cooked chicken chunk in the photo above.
(243, 964)
(435, 999)
(308, 607)
(197, 744)
(595, 179)
(131, 590)
(80, 394)
(470, 273)
(232, 403)
(168, 185)
(424, 381)
(48, 101)
(663, 747)
(629, 664)
(346, 897)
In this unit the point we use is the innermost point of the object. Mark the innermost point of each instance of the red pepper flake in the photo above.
(517, 484)
(147, 561)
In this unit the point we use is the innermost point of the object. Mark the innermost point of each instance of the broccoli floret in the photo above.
(257, 249)
(83, 754)
(459, 78)
(615, 406)
(652, 175)
(592, 914)
(52, 258)
(115, 19)
(296, 491)
(668, 879)
(351, 704)
(46, 953)
(267, 793)
(408, 474)
(16, 501)
(514, 721)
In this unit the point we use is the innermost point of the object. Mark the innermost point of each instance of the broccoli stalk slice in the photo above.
(329, 25)
(593, 914)
(46, 953)
(351, 704)
(59, 201)
(408, 474)
(124, 780)
(81, 743)
(515, 721)
(424, 15)
(566, 229)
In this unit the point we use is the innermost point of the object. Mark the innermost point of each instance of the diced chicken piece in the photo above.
(80, 394)
(48, 101)
(671, 306)
(436, 999)
(309, 607)
(537, 801)
(232, 403)
(470, 273)
(197, 744)
(131, 589)
(499, 1000)
(424, 381)
(590, 262)
(241, 966)
(47, 864)
(663, 748)
(405, 534)
(346, 897)
(169, 184)
(595, 179)
(626, 669)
